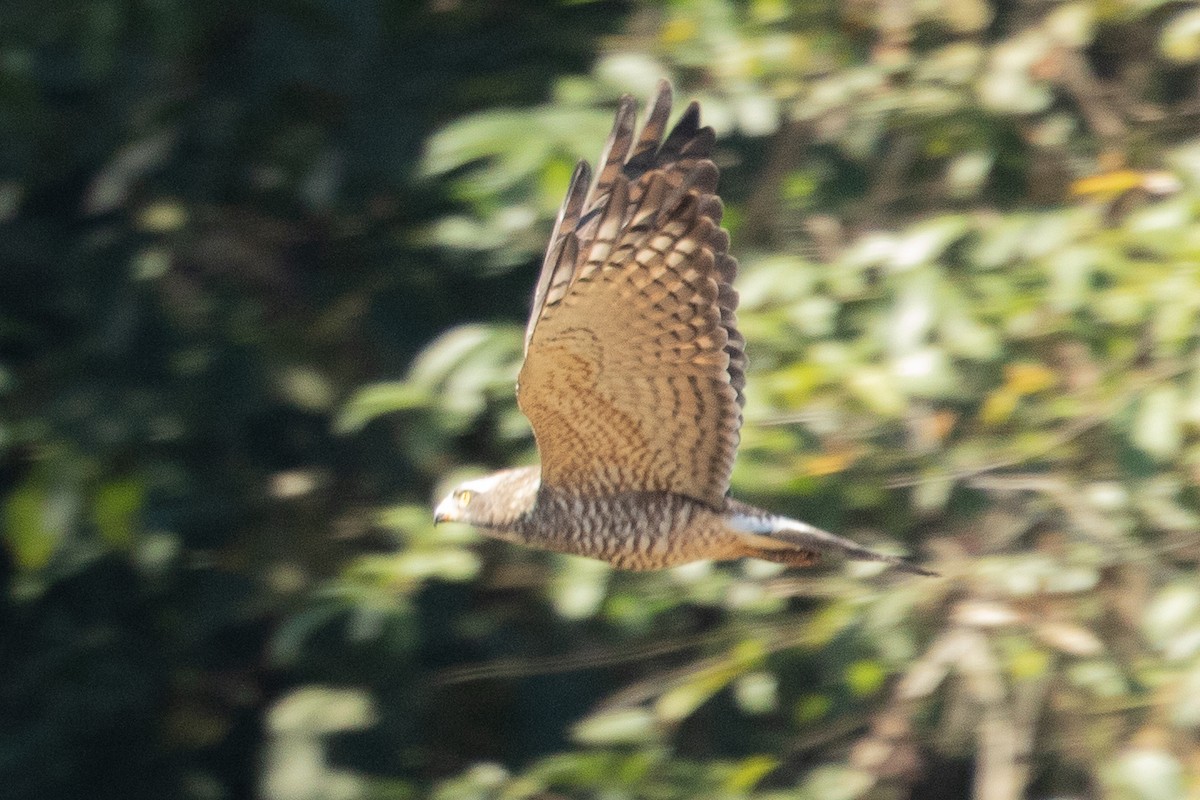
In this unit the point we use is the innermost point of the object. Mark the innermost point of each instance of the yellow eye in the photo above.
(464, 497)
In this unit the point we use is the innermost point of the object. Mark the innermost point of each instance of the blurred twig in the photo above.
(1075, 428)
(1077, 79)
(525, 667)
(1070, 431)
(787, 150)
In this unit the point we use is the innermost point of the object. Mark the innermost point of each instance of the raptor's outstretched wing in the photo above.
(634, 368)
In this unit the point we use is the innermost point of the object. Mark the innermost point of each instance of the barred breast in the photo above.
(630, 530)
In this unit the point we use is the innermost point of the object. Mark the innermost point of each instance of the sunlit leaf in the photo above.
(1180, 39)
(925, 243)
(756, 692)
(1157, 428)
(30, 528)
(837, 783)
(578, 589)
(865, 677)
(1186, 711)
(689, 694)
(749, 772)
(1172, 611)
(1069, 638)
(374, 401)
(1147, 774)
(472, 139)
(1100, 677)
(622, 726)
(812, 707)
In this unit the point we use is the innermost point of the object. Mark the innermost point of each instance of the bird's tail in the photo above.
(798, 544)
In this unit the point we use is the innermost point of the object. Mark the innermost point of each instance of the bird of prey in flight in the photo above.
(634, 371)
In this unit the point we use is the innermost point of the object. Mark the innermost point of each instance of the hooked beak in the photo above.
(446, 511)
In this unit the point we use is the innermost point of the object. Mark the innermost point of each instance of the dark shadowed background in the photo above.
(263, 274)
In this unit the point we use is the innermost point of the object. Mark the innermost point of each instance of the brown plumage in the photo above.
(634, 372)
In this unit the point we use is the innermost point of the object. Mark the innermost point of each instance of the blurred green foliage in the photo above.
(263, 274)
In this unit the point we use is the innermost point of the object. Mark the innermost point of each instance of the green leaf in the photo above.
(1100, 677)
(578, 589)
(757, 692)
(116, 510)
(473, 138)
(837, 782)
(749, 772)
(865, 677)
(878, 390)
(290, 639)
(376, 400)
(1070, 274)
(693, 691)
(925, 242)
(441, 356)
(1173, 611)
(811, 708)
(620, 726)
(29, 528)
(682, 700)
(1179, 40)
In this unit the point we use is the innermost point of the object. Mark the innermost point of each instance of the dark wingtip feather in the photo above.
(576, 191)
(645, 152)
(564, 225)
(685, 130)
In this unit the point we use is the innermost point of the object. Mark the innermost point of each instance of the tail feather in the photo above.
(797, 543)
(790, 556)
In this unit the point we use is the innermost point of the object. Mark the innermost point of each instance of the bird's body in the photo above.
(629, 529)
(634, 373)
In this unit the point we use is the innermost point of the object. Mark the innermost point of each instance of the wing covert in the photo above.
(634, 368)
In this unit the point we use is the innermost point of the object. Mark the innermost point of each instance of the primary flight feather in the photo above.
(634, 371)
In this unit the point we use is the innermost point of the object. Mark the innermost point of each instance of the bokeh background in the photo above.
(263, 273)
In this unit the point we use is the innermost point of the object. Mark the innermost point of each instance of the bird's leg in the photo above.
(789, 541)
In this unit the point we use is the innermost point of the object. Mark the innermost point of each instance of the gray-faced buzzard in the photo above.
(633, 373)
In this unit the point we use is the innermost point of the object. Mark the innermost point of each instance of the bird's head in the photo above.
(495, 501)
